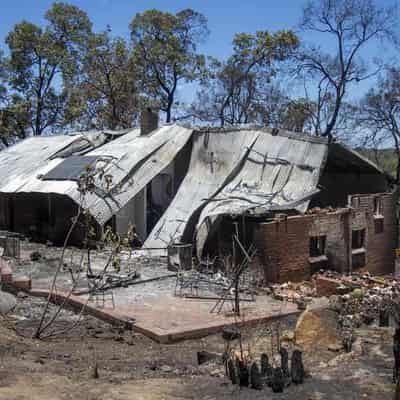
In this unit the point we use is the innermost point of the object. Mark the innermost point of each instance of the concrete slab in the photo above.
(168, 319)
(149, 306)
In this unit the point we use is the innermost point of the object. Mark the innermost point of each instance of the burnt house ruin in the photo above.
(305, 203)
(39, 192)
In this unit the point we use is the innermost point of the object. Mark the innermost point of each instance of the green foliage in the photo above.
(234, 91)
(3, 78)
(107, 95)
(14, 119)
(39, 55)
(165, 51)
(61, 75)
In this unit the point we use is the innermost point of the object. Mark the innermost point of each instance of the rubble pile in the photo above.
(299, 293)
(355, 279)
(364, 299)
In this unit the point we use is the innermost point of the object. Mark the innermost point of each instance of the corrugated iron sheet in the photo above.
(279, 173)
(215, 160)
(138, 162)
(20, 164)
(133, 161)
(240, 171)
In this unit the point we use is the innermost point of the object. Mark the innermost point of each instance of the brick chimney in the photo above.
(148, 121)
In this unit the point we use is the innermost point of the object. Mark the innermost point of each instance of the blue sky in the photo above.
(225, 18)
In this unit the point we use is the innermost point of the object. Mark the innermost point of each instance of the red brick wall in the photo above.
(380, 246)
(283, 246)
(283, 249)
(334, 226)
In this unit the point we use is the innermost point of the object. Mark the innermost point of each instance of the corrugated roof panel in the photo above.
(215, 158)
(277, 172)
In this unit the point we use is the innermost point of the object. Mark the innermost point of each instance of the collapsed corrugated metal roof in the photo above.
(20, 164)
(247, 171)
(235, 171)
(241, 171)
(132, 161)
(215, 158)
(136, 163)
(279, 173)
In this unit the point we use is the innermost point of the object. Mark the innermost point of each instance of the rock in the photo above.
(357, 346)
(206, 356)
(357, 294)
(335, 347)
(317, 326)
(216, 373)
(7, 302)
(166, 368)
(340, 359)
(323, 364)
(22, 295)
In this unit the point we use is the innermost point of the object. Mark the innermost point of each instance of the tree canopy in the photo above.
(232, 91)
(62, 75)
(351, 25)
(165, 51)
(39, 55)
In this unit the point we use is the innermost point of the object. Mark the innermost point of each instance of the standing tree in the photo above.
(3, 78)
(239, 89)
(14, 117)
(42, 58)
(3, 100)
(350, 25)
(107, 95)
(297, 116)
(165, 51)
(381, 114)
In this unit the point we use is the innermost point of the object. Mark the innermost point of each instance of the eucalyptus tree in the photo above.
(107, 93)
(380, 115)
(165, 53)
(45, 60)
(239, 90)
(349, 27)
